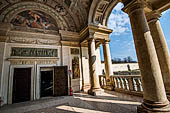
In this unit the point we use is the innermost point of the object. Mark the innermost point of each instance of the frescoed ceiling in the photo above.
(69, 15)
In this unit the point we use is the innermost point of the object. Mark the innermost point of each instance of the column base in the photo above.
(95, 91)
(109, 86)
(145, 109)
(85, 88)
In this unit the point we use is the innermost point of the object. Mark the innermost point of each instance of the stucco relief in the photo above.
(32, 61)
(22, 62)
(32, 41)
(47, 61)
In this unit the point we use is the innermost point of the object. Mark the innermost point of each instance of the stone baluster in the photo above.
(130, 83)
(125, 84)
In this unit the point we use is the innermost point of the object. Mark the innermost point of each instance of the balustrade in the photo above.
(130, 84)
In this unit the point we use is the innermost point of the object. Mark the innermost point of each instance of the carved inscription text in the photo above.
(34, 52)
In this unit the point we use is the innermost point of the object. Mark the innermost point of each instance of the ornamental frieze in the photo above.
(33, 52)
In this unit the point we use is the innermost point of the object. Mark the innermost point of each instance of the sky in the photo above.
(122, 44)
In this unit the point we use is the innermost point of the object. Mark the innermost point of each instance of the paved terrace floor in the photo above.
(107, 102)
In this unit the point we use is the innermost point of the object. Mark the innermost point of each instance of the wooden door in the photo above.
(60, 81)
(21, 85)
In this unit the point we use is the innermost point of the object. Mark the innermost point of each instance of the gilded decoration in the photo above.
(75, 67)
(34, 19)
(34, 52)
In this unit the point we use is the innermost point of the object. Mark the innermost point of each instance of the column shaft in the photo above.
(161, 47)
(92, 64)
(152, 83)
(107, 60)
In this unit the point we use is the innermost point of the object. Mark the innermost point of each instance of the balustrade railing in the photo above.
(124, 83)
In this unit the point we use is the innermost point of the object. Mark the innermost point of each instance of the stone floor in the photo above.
(108, 102)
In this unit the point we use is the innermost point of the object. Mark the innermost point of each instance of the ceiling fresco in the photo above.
(34, 19)
(72, 14)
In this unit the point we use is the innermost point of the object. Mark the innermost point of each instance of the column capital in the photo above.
(105, 41)
(153, 16)
(90, 40)
(132, 6)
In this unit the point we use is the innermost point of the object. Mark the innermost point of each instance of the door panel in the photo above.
(21, 85)
(60, 81)
(46, 83)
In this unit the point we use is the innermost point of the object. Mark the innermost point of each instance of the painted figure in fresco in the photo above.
(75, 68)
(34, 19)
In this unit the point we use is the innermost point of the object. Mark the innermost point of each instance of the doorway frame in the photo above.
(11, 77)
(38, 78)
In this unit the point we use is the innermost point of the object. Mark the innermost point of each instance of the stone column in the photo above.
(160, 46)
(154, 96)
(94, 79)
(108, 64)
(107, 60)
(98, 58)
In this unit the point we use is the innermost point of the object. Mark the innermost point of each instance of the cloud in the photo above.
(165, 12)
(119, 21)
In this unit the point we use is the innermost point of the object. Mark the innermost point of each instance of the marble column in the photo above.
(154, 96)
(94, 78)
(160, 46)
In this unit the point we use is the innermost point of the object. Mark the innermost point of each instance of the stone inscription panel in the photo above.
(34, 52)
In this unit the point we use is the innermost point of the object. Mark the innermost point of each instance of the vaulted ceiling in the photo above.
(69, 15)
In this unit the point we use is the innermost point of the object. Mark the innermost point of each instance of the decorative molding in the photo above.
(71, 36)
(70, 43)
(33, 41)
(47, 61)
(20, 61)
